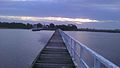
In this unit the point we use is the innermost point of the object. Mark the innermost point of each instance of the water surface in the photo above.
(105, 44)
(18, 48)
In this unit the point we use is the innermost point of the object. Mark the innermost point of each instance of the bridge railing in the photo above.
(77, 49)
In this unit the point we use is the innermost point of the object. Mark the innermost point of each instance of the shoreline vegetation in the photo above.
(51, 26)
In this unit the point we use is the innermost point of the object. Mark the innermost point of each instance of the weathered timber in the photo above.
(54, 55)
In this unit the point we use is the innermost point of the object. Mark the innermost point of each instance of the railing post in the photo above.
(74, 51)
(81, 55)
(71, 46)
(96, 63)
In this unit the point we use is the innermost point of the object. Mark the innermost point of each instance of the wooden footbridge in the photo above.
(62, 51)
(54, 55)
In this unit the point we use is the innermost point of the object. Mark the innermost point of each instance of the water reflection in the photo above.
(18, 48)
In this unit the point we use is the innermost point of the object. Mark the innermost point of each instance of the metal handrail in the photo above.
(76, 50)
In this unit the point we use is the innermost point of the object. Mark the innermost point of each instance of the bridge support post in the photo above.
(81, 56)
(96, 63)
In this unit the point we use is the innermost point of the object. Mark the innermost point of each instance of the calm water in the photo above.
(18, 48)
(106, 44)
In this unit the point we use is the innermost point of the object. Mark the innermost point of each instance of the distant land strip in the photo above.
(51, 26)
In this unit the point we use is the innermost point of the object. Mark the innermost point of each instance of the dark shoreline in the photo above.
(82, 30)
(51, 26)
(101, 30)
(87, 30)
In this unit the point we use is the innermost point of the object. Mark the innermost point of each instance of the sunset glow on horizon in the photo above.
(49, 19)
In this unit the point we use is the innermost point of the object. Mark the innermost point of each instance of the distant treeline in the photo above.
(68, 27)
(100, 30)
(15, 25)
(51, 26)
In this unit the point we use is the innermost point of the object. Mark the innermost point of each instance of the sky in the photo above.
(100, 13)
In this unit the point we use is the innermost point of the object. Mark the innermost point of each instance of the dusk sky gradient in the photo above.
(101, 13)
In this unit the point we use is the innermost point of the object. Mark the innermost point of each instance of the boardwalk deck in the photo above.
(54, 55)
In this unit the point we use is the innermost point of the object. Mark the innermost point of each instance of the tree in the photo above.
(39, 25)
(52, 25)
(29, 26)
(72, 27)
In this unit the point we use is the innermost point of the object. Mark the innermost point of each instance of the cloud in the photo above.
(49, 19)
(19, 0)
(93, 9)
(109, 7)
(30, 0)
(34, 0)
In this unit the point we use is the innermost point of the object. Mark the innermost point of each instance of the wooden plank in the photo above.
(54, 55)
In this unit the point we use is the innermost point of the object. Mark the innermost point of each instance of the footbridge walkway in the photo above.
(63, 51)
